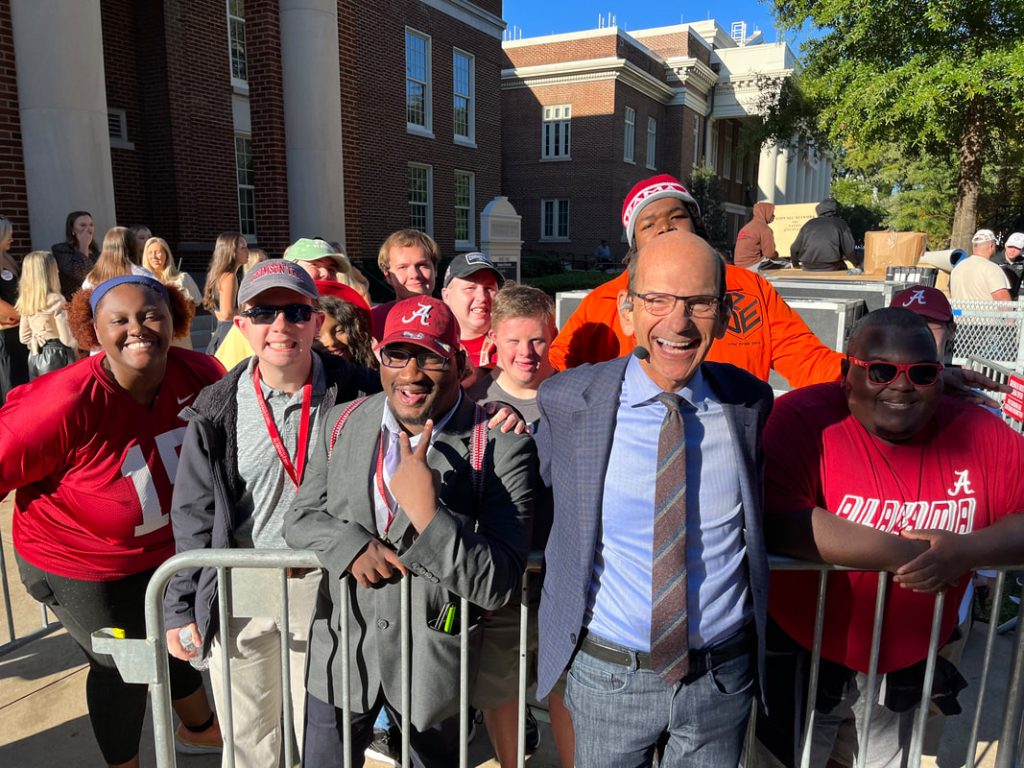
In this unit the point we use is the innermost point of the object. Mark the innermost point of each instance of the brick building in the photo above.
(336, 118)
(588, 114)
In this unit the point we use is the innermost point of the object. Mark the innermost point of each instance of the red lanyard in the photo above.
(381, 488)
(302, 443)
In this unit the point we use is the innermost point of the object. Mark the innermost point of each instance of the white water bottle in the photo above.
(197, 661)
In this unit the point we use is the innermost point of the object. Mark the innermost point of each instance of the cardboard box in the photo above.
(886, 249)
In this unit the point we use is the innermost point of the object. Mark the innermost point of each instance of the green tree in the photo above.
(703, 184)
(928, 78)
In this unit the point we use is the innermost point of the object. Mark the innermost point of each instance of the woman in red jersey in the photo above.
(92, 452)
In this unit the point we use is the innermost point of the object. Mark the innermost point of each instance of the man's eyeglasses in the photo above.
(425, 361)
(293, 313)
(882, 373)
(659, 304)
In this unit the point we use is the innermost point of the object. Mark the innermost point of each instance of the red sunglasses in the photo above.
(882, 373)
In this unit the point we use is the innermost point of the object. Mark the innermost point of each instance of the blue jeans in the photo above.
(621, 713)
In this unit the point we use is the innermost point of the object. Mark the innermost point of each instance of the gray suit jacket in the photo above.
(472, 549)
(574, 440)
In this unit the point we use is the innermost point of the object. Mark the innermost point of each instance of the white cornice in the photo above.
(689, 70)
(470, 14)
(749, 79)
(590, 70)
(687, 98)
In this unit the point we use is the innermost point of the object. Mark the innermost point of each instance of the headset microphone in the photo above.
(641, 353)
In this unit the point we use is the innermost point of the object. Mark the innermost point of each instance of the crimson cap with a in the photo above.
(424, 321)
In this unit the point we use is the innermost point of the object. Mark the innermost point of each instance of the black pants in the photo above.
(436, 747)
(116, 709)
(13, 362)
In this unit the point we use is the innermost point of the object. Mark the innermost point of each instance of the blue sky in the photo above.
(545, 17)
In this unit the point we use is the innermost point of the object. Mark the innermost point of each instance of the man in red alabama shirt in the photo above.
(881, 471)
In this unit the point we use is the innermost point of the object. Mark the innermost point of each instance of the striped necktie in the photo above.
(670, 642)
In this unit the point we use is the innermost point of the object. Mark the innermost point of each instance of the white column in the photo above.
(826, 180)
(810, 178)
(794, 193)
(766, 171)
(311, 77)
(783, 194)
(62, 99)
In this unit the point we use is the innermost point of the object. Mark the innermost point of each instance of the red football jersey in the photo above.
(960, 473)
(95, 469)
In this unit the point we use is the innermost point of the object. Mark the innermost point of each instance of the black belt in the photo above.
(700, 661)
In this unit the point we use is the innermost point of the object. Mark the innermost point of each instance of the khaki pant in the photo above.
(254, 647)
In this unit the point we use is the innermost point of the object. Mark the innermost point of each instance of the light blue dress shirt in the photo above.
(719, 601)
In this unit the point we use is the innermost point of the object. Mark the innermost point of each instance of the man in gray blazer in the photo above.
(412, 486)
(656, 585)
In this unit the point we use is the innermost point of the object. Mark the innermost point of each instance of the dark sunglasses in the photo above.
(882, 373)
(293, 313)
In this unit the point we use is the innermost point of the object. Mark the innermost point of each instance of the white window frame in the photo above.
(117, 125)
(555, 133)
(427, 129)
(239, 83)
(245, 189)
(652, 142)
(428, 206)
(557, 204)
(469, 138)
(469, 243)
(629, 136)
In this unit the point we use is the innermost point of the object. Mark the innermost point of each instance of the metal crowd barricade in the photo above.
(14, 640)
(992, 330)
(1001, 374)
(145, 661)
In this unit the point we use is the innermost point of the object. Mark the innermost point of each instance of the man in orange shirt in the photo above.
(763, 332)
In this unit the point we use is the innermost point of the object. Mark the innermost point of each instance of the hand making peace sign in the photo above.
(414, 484)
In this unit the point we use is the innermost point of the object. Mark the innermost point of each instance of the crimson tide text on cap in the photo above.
(930, 303)
(984, 236)
(647, 191)
(307, 249)
(276, 273)
(424, 321)
(1016, 240)
(466, 264)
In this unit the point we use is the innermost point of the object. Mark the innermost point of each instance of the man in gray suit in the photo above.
(410, 486)
(656, 585)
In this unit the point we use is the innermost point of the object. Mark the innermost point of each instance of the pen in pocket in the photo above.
(445, 621)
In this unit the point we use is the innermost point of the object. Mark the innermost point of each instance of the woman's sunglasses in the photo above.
(881, 373)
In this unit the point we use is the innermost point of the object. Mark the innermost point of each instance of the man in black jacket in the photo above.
(242, 459)
(823, 242)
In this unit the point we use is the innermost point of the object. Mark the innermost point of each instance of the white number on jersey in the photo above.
(135, 468)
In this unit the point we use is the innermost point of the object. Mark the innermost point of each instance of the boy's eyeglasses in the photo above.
(293, 313)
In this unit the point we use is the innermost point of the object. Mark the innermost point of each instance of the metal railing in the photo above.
(145, 661)
(15, 640)
(1001, 374)
(992, 330)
